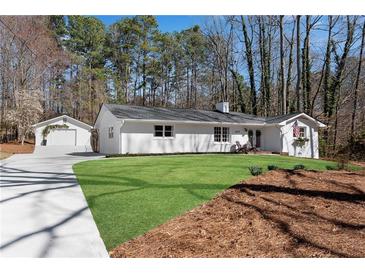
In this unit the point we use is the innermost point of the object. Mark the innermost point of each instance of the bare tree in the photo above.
(290, 106)
(298, 51)
(249, 59)
(357, 81)
(282, 66)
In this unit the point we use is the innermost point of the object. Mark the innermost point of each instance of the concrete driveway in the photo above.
(43, 212)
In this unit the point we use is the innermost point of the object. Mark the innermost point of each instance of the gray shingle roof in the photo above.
(179, 114)
(280, 118)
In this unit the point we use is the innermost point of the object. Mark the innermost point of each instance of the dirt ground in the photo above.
(357, 163)
(13, 148)
(278, 214)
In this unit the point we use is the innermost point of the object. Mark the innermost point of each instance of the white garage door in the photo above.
(62, 137)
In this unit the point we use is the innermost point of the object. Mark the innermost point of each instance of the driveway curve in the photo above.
(43, 212)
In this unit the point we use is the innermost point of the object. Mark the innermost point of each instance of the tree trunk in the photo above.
(267, 54)
(282, 67)
(326, 83)
(289, 105)
(263, 69)
(336, 83)
(240, 91)
(354, 107)
(187, 88)
(250, 66)
(307, 70)
(144, 79)
(298, 86)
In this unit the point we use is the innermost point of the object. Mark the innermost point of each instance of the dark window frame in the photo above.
(221, 135)
(163, 132)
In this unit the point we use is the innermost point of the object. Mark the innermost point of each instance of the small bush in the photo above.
(331, 167)
(272, 167)
(299, 166)
(342, 162)
(255, 170)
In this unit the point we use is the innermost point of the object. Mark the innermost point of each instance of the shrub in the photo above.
(255, 170)
(331, 167)
(342, 162)
(272, 167)
(48, 129)
(299, 166)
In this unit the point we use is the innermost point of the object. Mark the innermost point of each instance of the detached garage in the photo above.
(63, 131)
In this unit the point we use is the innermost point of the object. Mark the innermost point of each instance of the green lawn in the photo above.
(129, 196)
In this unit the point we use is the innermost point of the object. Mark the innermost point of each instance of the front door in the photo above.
(250, 137)
(258, 138)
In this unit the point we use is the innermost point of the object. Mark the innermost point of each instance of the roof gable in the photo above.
(59, 118)
(298, 115)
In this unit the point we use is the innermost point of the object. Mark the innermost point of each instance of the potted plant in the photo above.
(300, 141)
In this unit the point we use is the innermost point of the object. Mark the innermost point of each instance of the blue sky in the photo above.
(167, 23)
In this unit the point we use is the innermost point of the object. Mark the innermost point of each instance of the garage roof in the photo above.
(58, 118)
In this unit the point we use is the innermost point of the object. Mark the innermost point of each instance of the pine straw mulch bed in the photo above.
(278, 214)
(14, 148)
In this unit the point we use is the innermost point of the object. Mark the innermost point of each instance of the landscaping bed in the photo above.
(279, 214)
(8, 149)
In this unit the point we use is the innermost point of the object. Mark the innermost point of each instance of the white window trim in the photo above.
(305, 132)
(217, 142)
(163, 137)
(229, 136)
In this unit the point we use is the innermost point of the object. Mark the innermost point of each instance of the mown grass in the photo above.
(129, 196)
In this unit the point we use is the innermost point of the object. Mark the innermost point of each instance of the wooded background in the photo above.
(262, 65)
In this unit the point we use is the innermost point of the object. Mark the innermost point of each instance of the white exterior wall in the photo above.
(310, 149)
(104, 121)
(137, 137)
(82, 134)
(271, 137)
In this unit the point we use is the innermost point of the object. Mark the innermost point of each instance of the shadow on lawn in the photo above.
(135, 184)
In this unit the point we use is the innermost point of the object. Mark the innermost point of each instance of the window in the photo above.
(217, 134)
(158, 131)
(302, 132)
(221, 134)
(164, 131)
(169, 132)
(225, 134)
(111, 132)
